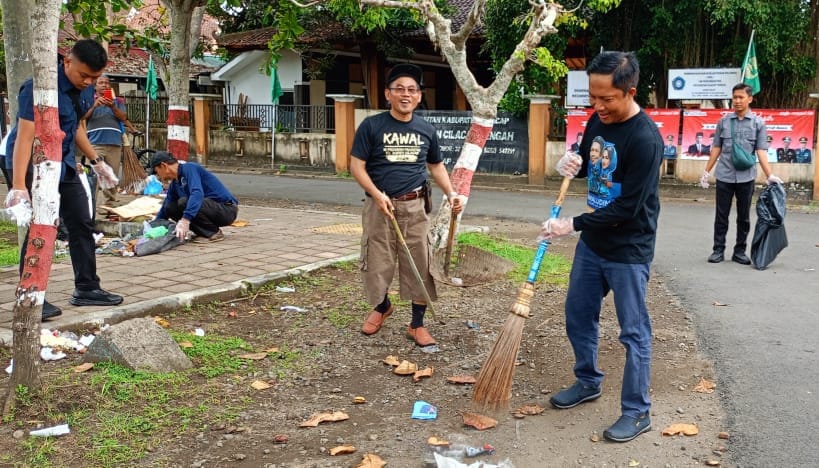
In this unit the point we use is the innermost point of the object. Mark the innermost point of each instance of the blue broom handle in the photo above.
(541, 251)
(544, 244)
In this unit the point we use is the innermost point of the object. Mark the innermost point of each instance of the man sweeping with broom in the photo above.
(616, 245)
(392, 152)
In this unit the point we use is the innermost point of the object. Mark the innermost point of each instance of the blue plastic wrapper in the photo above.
(424, 410)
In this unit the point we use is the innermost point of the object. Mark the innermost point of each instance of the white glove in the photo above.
(557, 227)
(457, 202)
(772, 179)
(18, 206)
(105, 175)
(569, 165)
(704, 179)
(182, 228)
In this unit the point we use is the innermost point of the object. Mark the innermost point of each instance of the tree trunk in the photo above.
(16, 38)
(179, 119)
(47, 161)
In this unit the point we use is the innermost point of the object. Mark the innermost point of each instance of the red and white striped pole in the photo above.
(179, 131)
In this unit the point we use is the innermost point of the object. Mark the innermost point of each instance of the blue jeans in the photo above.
(592, 277)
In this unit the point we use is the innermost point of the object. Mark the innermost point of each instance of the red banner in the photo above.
(667, 120)
(790, 133)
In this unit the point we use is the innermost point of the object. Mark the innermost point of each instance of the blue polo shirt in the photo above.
(68, 115)
(195, 183)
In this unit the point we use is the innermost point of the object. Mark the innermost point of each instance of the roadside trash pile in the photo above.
(156, 236)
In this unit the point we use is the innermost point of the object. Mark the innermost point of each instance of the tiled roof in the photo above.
(258, 38)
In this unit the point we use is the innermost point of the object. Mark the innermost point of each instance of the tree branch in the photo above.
(473, 19)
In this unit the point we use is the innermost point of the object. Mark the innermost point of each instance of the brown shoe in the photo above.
(421, 336)
(375, 320)
(219, 236)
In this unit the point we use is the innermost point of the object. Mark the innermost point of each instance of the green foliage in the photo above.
(554, 269)
(91, 17)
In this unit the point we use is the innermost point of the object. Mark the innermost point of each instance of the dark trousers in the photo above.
(76, 216)
(212, 215)
(726, 192)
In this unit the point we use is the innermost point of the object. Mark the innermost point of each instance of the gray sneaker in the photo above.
(574, 395)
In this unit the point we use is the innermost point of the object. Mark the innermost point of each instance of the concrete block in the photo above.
(138, 344)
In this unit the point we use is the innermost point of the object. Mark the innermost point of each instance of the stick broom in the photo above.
(493, 387)
(414, 268)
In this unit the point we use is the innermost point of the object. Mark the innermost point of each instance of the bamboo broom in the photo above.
(493, 387)
(133, 174)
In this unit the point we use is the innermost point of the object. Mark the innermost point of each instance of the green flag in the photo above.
(151, 87)
(275, 84)
(750, 69)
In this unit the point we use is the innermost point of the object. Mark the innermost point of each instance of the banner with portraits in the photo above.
(790, 133)
(667, 120)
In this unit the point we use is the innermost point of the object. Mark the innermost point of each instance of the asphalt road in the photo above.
(763, 341)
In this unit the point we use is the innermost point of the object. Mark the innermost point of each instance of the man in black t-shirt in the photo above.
(616, 245)
(391, 154)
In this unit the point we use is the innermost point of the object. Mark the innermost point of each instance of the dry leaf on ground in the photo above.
(260, 385)
(281, 439)
(185, 344)
(342, 450)
(319, 418)
(529, 410)
(461, 379)
(422, 373)
(705, 386)
(371, 460)
(253, 356)
(681, 428)
(436, 442)
(405, 368)
(479, 421)
(359, 400)
(719, 304)
(84, 367)
(161, 322)
(274, 349)
(391, 361)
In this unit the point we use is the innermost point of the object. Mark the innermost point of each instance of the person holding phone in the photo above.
(105, 123)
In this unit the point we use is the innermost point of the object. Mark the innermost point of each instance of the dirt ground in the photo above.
(337, 363)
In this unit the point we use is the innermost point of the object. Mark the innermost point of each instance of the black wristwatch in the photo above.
(94, 162)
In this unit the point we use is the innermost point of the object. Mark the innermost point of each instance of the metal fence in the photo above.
(135, 108)
(285, 118)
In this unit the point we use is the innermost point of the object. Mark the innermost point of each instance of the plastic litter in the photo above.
(48, 354)
(423, 410)
(289, 308)
(53, 431)
(285, 289)
(443, 461)
(21, 213)
(431, 349)
(10, 368)
(153, 186)
(199, 332)
(486, 449)
(155, 232)
(472, 325)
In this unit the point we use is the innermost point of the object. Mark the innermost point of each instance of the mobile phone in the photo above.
(108, 93)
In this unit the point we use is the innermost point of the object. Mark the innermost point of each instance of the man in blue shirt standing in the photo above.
(75, 80)
(196, 200)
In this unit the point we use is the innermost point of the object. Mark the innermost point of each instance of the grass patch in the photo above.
(9, 251)
(554, 269)
(215, 355)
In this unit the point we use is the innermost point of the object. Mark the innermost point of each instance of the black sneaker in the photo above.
(94, 297)
(716, 257)
(574, 395)
(50, 311)
(627, 428)
(741, 258)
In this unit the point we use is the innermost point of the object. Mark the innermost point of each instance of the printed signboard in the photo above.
(702, 83)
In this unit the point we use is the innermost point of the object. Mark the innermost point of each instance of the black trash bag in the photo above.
(769, 233)
(147, 246)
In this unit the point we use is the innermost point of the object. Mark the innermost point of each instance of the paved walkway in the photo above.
(275, 243)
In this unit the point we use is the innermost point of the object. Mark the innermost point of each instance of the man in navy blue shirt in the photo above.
(75, 80)
(196, 199)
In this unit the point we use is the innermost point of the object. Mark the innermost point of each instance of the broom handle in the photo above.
(412, 265)
(544, 244)
(453, 221)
